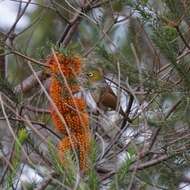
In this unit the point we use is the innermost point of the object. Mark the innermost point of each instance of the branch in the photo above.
(37, 110)
(182, 37)
(29, 59)
(30, 82)
(2, 56)
(36, 125)
(138, 167)
(173, 108)
(157, 131)
(11, 31)
(128, 110)
(73, 23)
(150, 163)
(2, 64)
(46, 181)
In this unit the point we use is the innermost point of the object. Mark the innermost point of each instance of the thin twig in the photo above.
(74, 22)
(29, 58)
(17, 20)
(46, 181)
(182, 37)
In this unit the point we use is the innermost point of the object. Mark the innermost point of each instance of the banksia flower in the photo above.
(55, 91)
(74, 104)
(73, 109)
(58, 123)
(70, 66)
(77, 123)
(81, 142)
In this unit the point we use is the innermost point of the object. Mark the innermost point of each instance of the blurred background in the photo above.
(143, 48)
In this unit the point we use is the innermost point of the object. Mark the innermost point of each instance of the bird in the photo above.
(101, 92)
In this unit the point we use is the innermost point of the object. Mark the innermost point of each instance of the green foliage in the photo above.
(45, 50)
(141, 8)
(176, 9)
(8, 90)
(71, 50)
(16, 158)
(108, 61)
(119, 5)
(28, 186)
(105, 59)
(68, 174)
(167, 177)
(165, 38)
(92, 179)
(186, 111)
(152, 29)
(54, 157)
(122, 177)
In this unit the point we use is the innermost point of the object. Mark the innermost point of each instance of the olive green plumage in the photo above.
(102, 92)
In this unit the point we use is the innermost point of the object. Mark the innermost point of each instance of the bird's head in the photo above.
(95, 75)
(95, 78)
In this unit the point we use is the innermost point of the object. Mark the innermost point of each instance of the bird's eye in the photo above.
(89, 74)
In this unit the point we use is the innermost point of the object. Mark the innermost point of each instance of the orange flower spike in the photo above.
(84, 149)
(65, 145)
(58, 123)
(73, 109)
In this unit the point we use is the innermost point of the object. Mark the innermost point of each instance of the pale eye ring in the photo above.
(89, 74)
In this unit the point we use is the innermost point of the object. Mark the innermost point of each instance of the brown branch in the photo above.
(182, 37)
(100, 3)
(30, 82)
(70, 31)
(74, 22)
(185, 179)
(138, 167)
(150, 163)
(36, 155)
(153, 140)
(2, 64)
(173, 108)
(2, 56)
(70, 28)
(34, 3)
(127, 112)
(58, 12)
(114, 140)
(37, 110)
(157, 131)
(8, 163)
(120, 86)
(46, 181)
(36, 123)
(65, 38)
(11, 31)
(29, 59)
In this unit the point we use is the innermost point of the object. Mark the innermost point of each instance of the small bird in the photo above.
(101, 92)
